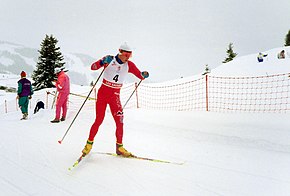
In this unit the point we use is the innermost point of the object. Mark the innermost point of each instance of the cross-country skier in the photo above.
(116, 69)
(24, 93)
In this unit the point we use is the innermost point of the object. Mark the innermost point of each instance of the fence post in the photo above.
(136, 95)
(6, 111)
(16, 104)
(46, 99)
(206, 91)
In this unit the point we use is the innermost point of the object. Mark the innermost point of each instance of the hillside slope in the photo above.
(14, 58)
(249, 66)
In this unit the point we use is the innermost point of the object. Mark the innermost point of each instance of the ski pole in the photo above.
(60, 141)
(55, 95)
(132, 94)
(53, 102)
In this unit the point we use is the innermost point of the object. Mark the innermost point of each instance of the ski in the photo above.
(76, 163)
(141, 158)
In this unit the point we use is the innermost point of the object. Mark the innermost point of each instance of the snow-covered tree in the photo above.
(287, 39)
(231, 54)
(206, 70)
(50, 58)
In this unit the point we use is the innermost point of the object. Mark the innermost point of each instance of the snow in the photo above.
(224, 154)
(6, 61)
(9, 80)
(71, 59)
(249, 66)
(9, 47)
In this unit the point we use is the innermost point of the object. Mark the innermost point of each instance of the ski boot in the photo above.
(24, 117)
(87, 147)
(55, 120)
(120, 150)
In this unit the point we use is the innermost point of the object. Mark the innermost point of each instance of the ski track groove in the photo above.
(82, 167)
(43, 179)
(249, 143)
(126, 171)
(241, 172)
(13, 186)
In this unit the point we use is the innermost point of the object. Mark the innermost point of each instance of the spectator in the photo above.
(261, 56)
(24, 93)
(281, 55)
(63, 87)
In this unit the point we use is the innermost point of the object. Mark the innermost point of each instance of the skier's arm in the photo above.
(105, 61)
(134, 70)
(19, 88)
(96, 65)
(60, 83)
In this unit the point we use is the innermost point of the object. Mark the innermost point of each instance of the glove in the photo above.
(107, 59)
(145, 74)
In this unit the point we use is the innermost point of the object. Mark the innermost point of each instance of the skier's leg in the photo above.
(101, 106)
(117, 113)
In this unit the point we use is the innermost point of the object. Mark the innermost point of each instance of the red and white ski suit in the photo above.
(63, 88)
(109, 93)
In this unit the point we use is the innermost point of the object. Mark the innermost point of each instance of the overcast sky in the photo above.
(171, 38)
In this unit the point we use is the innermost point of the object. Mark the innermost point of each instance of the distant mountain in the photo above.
(14, 58)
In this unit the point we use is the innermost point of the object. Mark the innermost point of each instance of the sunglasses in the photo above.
(127, 54)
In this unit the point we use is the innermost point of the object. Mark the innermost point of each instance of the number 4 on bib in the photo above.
(116, 78)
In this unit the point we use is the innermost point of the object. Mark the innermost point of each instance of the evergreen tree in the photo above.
(287, 39)
(206, 70)
(50, 58)
(231, 54)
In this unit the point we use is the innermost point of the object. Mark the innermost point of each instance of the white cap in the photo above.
(58, 69)
(125, 47)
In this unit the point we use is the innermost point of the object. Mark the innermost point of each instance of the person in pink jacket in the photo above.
(63, 87)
